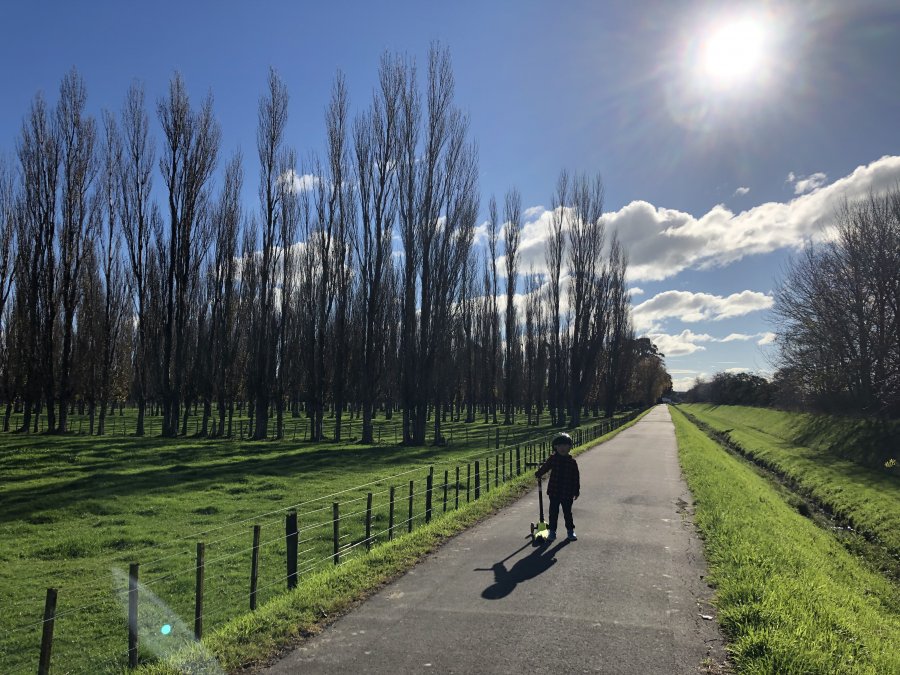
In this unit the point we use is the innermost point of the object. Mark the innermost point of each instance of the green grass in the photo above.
(791, 599)
(76, 510)
(321, 597)
(810, 451)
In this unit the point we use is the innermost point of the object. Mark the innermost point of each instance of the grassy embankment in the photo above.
(811, 452)
(75, 511)
(791, 598)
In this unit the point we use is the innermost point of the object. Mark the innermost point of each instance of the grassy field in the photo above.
(76, 510)
(810, 452)
(791, 599)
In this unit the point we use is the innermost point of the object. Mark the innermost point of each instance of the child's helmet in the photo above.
(562, 439)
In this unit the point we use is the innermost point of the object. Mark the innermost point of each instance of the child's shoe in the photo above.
(551, 535)
(572, 536)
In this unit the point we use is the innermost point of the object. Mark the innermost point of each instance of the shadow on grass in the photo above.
(162, 472)
(869, 442)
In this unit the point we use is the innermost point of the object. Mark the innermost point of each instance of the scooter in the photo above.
(540, 531)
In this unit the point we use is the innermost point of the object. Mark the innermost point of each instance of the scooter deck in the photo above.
(539, 532)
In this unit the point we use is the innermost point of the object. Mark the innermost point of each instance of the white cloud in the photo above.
(735, 371)
(685, 383)
(532, 212)
(693, 307)
(300, 183)
(766, 338)
(808, 184)
(741, 191)
(737, 336)
(480, 236)
(686, 342)
(636, 291)
(662, 242)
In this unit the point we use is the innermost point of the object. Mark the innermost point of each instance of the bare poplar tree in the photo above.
(375, 141)
(468, 324)
(7, 268)
(273, 111)
(189, 158)
(620, 333)
(408, 214)
(494, 312)
(136, 185)
(108, 253)
(533, 376)
(78, 164)
(285, 320)
(436, 196)
(588, 290)
(227, 224)
(331, 249)
(554, 259)
(39, 155)
(511, 229)
(341, 214)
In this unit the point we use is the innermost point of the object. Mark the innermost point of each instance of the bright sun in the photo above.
(734, 53)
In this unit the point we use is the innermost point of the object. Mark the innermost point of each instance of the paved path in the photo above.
(627, 597)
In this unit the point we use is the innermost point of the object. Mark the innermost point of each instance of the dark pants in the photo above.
(566, 504)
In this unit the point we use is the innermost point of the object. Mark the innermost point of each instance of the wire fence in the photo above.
(235, 573)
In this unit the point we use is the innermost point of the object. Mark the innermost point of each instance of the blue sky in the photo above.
(715, 171)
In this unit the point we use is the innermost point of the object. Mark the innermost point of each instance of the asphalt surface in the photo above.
(627, 597)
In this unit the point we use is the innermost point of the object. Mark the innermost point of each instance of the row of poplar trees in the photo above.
(132, 270)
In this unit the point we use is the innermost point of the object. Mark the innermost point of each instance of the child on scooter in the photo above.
(564, 484)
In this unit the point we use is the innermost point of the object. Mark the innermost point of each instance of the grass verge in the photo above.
(865, 498)
(252, 639)
(791, 599)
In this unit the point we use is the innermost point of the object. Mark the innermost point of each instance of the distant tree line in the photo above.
(131, 270)
(732, 389)
(837, 309)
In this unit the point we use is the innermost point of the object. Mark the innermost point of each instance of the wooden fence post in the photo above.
(133, 569)
(336, 532)
(468, 482)
(254, 567)
(391, 516)
(457, 487)
(477, 481)
(409, 521)
(496, 470)
(446, 480)
(198, 591)
(429, 483)
(291, 537)
(47, 637)
(518, 462)
(487, 474)
(369, 521)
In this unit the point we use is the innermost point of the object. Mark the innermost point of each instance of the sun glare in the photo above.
(734, 53)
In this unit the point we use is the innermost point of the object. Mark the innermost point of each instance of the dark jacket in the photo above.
(564, 482)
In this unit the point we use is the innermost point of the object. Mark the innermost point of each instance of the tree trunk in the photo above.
(26, 417)
(279, 418)
(207, 413)
(367, 427)
(141, 408)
